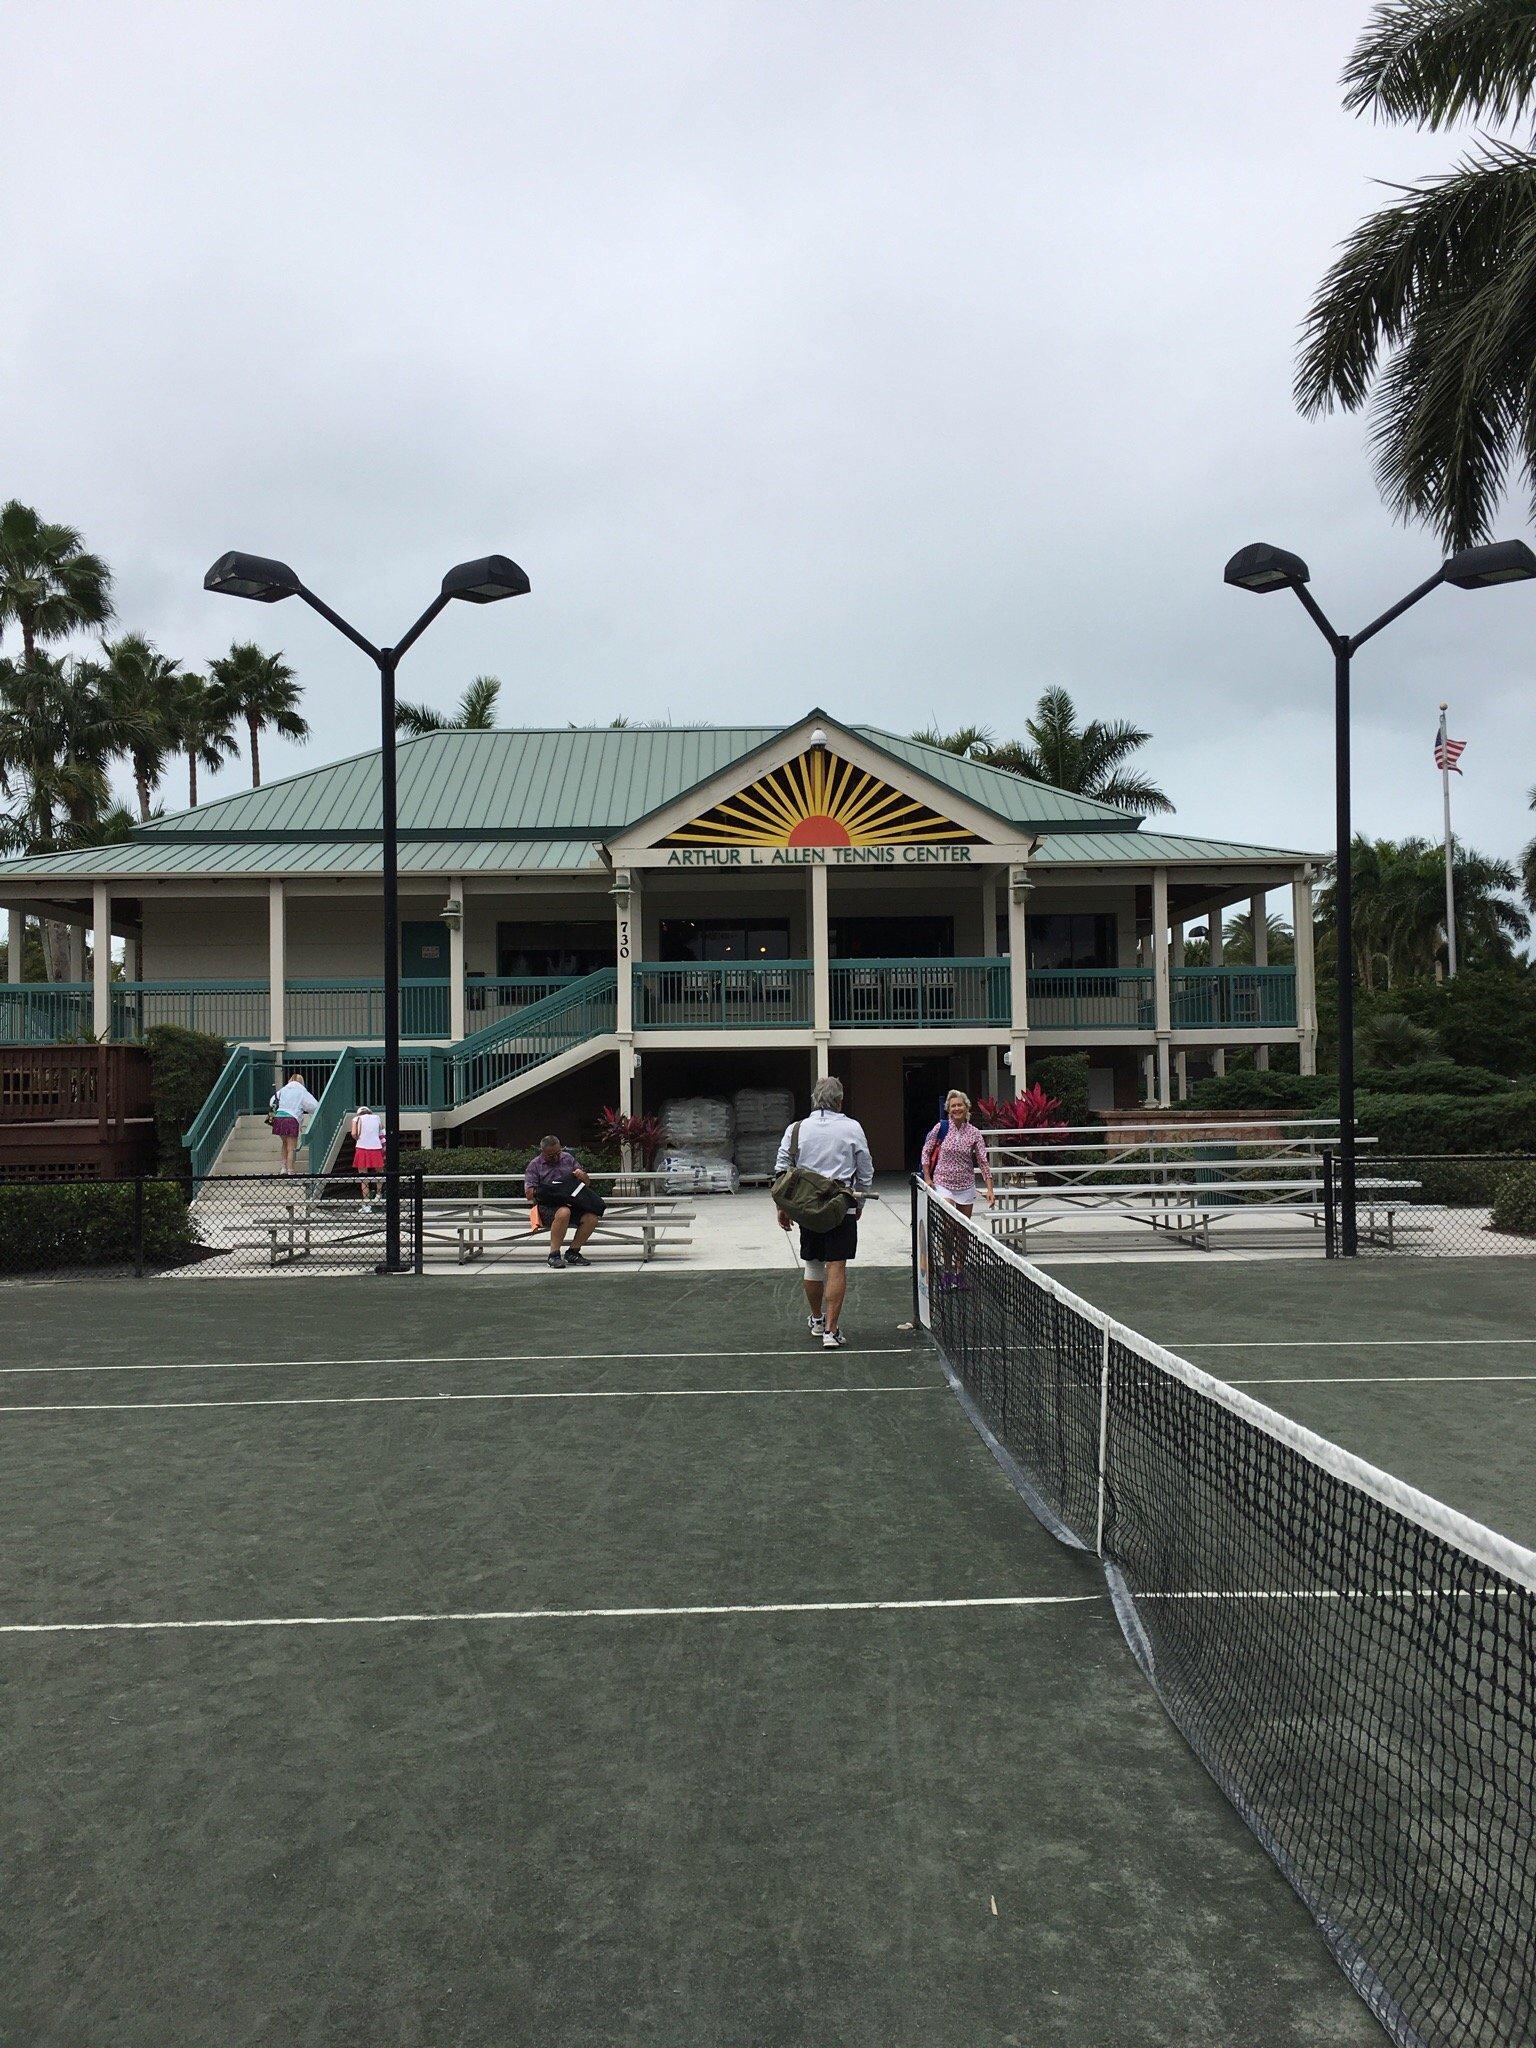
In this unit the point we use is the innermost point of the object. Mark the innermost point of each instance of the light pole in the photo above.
(1262, 568)
(482, 582)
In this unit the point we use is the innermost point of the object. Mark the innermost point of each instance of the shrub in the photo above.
(1485, 1017)
(1514, 1203)
(1034, 1110)
(183, 1066)
(1254, 1088)
(1386, 1038)
(1451, 1123)
(44, 1226)
(1065, 1075)
(1432, 1077)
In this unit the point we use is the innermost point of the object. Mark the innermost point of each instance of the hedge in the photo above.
(1514, 1203)
(46, 1225)
(183, 1066)
(1451, 1123)
(1064, 1075)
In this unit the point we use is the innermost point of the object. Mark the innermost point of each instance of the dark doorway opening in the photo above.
(924, 1084)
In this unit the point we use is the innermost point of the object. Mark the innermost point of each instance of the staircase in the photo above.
(249, 1148)
(450, 1084)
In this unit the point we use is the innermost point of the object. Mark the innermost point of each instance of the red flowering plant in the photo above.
(641, 1134)
(1033, 1111)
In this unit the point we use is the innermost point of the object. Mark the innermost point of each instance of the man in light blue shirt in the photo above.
(835, 1145)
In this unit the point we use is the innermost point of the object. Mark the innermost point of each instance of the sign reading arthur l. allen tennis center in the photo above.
(815, 856)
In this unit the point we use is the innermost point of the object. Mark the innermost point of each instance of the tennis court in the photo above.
(625, 1674)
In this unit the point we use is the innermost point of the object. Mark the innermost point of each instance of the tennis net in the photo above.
(1353, 1662)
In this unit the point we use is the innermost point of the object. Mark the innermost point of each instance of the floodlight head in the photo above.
(1502, 561)
(484, 582)
(253, 576)
(1262, 568)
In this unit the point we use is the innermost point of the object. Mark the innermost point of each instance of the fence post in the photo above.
(418, 1221)
(1098, 1544)
(138, 1226)
(1330, 1248)
(916, 1305)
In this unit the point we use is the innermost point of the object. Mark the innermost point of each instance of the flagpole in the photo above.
(1450, 886)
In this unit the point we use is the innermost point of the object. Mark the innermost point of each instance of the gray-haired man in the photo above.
(835, 1145)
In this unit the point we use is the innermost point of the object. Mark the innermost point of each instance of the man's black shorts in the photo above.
(841, 1242)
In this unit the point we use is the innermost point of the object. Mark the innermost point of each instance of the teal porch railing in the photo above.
(1248, 998)
(245, 1087)
(489, 999)
(225, 1009)
(1090, 999)
(932, 993)
(45, 1013)
(350, 1008)
(541, 1031)
(720, 995)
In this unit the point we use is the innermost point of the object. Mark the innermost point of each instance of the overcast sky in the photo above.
(902, 358)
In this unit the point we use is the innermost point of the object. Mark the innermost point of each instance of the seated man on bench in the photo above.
(557, 1188)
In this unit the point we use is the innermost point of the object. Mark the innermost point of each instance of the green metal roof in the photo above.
(576, 784)
(1151, 849)
(541, 800)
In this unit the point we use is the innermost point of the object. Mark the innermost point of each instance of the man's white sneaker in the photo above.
(832, 1340)
(818, 1327)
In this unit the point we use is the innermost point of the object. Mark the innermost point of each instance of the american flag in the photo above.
(1448, 751)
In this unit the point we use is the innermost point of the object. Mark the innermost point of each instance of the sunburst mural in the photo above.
(817, 800)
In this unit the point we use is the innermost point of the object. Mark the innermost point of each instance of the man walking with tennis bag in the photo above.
(824, 1171)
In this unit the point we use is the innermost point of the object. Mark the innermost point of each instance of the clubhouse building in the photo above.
(616, 916)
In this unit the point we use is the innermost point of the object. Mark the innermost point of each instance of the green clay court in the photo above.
(629, 1672)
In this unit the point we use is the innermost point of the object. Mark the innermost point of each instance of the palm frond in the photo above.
(1433, 61)
(477, 706)
(417, 720)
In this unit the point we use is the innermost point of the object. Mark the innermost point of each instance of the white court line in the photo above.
(457, 1358)
(60, 1628)
(396, 1400)
(1346, 1343)
(1395, 1379)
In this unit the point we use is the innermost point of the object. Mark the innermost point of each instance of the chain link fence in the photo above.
(1436, 1204)
(219, 1226)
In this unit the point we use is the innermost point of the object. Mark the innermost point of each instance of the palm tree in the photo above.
(475, 712)
(1086, 760)
(49, 584)
(1528, 865)
(139, 688)
(259, 688)
(1399, 920)
(1428, 316)
(201, 725)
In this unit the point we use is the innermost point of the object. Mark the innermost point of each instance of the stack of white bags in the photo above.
(697, 1136)
(762, 1116)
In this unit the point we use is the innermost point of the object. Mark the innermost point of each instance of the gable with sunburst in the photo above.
(818, 799)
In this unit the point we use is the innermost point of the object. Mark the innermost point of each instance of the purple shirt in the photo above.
(542, 1173)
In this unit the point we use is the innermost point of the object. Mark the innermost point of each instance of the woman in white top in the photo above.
(368, 1150)
(290, 1105)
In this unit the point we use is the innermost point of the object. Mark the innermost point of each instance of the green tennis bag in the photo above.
(813, 1200)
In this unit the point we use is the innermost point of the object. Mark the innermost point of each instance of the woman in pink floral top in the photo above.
(953, 1162)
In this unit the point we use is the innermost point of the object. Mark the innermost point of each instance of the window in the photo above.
(1072, 938)
(893, 938)
(723, 938)
(551, 949)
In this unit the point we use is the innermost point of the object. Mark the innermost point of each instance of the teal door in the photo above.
(424, 958)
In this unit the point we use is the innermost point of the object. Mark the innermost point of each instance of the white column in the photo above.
(989, 952)
(1218, 959)
(101, 961)
(15, 941)
(1306, 969)
(457, 1026)
(1018, 974)
(821, 974)
(626, 954)
(1258, 911)
(1162, 998)
(277, 964)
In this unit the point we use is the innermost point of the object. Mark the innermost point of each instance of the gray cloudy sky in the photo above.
(908, 358)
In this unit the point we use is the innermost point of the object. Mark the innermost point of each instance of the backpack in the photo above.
(813, 1200)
